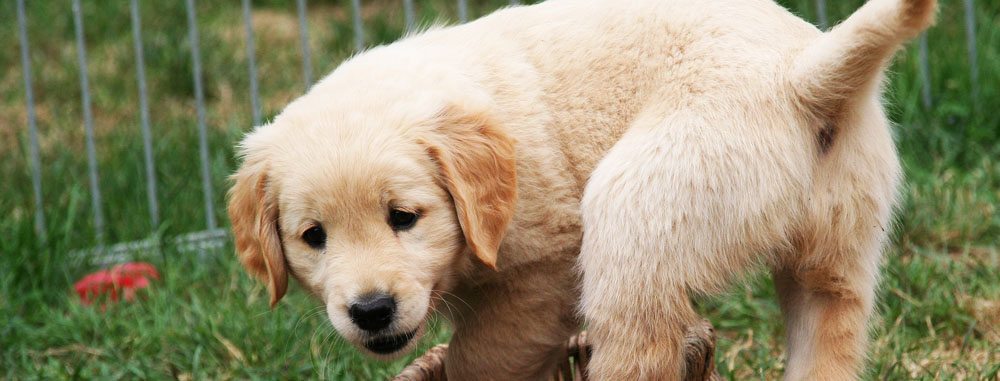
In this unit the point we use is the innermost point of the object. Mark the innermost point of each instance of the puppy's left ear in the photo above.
(478, 166)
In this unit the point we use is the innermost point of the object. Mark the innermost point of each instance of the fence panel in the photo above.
(212, 236)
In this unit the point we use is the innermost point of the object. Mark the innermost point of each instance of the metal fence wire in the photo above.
(214, 237)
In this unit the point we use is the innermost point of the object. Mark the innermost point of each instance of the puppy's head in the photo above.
(373, 213)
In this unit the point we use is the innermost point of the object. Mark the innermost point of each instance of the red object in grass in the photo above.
(121, 281)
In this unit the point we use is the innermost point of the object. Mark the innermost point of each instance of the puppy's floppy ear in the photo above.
(253, 210)
(478, 167)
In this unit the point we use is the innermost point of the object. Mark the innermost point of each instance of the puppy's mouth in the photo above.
(386, 345)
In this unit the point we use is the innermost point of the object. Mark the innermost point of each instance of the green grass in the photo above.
(939, 301)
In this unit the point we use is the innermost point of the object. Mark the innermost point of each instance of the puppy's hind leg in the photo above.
(827, 281)
(827, 284)
(666, 213)
(827, 309)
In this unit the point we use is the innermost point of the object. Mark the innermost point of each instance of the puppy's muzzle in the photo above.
(374, 312)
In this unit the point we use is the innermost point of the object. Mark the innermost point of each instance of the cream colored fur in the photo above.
(658, 147)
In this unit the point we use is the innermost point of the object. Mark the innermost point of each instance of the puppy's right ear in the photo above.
(253, 210)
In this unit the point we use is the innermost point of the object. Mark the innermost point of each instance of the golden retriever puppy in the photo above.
(657, 147)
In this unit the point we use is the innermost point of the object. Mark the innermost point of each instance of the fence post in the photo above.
(202, 129)
(970, 36)
(304, 36)
(251, 63)
(463, 12)
(147, 136)
(359, 30)
(29, 96)
(925, 72)
(88, 120)
(408, 13)
(821, 13)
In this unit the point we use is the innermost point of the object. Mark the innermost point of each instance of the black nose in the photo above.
(373, 313)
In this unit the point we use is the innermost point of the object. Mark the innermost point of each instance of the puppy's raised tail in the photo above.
(846, 61)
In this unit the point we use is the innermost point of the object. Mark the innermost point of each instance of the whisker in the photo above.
(306, 316)
(451, 313)
(451, 307)
(315, 351)
(457, 297)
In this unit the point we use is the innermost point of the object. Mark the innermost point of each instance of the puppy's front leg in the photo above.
(515, 328)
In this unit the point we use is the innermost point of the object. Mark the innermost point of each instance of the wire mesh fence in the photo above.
(213, 235)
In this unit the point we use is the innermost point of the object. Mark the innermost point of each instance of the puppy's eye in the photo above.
(401, 219)
(315, 237)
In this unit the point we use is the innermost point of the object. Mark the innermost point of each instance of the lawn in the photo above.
(939, 304)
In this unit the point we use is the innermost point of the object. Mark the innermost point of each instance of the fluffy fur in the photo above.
(660, 147)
